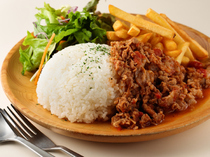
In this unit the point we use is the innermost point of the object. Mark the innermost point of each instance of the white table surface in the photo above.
(16, 18)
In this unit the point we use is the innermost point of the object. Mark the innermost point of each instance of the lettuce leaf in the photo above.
(77, 27)
(31, 56)
(50, 14)
(91, 6)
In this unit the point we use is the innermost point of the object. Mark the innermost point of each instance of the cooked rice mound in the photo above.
(77, 83)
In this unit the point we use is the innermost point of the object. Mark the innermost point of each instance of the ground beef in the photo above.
(152, 84)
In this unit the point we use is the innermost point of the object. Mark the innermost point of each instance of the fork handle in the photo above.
(66, 150)
(34, 148)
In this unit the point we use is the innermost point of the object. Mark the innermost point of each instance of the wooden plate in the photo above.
(21, 93)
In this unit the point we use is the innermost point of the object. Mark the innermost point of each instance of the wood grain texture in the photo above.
(22, 94)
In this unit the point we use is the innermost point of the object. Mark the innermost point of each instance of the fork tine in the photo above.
(15, 125)
(5, 116)
(30, 125)
(42, 140)
(17, 136)
(21, 123)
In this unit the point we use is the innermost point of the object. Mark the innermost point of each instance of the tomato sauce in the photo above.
(173, 116)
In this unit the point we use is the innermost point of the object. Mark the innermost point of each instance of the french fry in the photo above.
(154, 16)
(112, 36)
(157, 18)
(169, 44)
(156, 40)
(153, 36)
(185, 61)
(198, 51)
(158, 46)
(141, 22)
(119, 24)
(122, 33)
(160, 19)
(133, 31)
(189, 54)
(144, 37)
(173, 53)
(144, 31)
(139, 16)
(183, 47)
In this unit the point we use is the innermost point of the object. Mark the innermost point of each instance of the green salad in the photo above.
(69, 26)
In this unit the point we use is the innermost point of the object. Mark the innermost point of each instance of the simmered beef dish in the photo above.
(152, 84)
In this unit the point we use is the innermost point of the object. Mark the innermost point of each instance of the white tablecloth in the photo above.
(16, 18)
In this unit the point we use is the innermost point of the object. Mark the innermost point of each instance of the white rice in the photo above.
(76, 83)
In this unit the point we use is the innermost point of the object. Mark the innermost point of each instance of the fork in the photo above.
(33, 135)
(9, 133)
